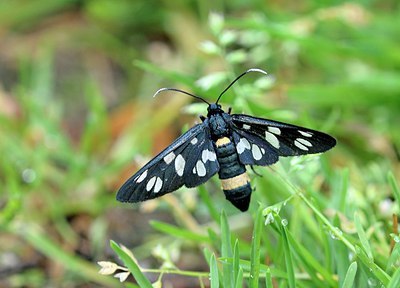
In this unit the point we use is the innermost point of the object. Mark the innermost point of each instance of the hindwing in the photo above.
(252, 150)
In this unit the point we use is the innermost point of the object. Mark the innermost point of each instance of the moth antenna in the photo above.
(180, 91)
(237, 78)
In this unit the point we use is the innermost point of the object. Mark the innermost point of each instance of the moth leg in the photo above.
(229, 110)
(255, 172)
(202, 118)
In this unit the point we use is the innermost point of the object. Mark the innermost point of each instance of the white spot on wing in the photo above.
(271, 138)
(255, 150)
(212, 156)
(262, 150)
(169, 158)
(242, 145)
(179, 165)
(274, 130)
(141, 177)
(158, 185)
(208, 155)
(299, 145)
(201, 169)
(304, 142)
(194, 141)
(247, 127)
(305, 134)
(150, 184)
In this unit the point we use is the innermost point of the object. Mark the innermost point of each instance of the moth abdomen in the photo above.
(239, 196)
(234, 179)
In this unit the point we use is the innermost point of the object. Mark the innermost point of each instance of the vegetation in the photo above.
(77, 118)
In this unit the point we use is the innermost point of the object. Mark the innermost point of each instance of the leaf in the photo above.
(395, 187)
(350, 276)
(236, 261)
(132, 266)
(363, 237)
(341, 255)
(255, 249)
(381, 275)
(268, 279)
(395, 281)
(214, 277)
(288, 257)
(128, 252)
(394, 259)
(226, 251)
(239, 278)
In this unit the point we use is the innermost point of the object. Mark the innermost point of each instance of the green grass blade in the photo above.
(363, 237)
(179, 232)
(350, 276)
(255, 249)
(373, 268)
(226, 251)
(288, 257)
(131, 265)
(395, 187)
(239, 278)
(341, 254)
(207, 255)
(394, 258)
(214, 277)
(268, 279)
(236, 261)
(395, 281)
(310, 264)
(246, 266)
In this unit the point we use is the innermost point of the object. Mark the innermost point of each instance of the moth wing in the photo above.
(253, 150)
(172, 168)
(284, 139)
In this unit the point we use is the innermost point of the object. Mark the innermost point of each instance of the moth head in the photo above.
(213, 109)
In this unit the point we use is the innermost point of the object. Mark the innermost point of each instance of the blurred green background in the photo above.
(77, 119)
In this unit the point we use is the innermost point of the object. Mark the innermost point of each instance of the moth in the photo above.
(222, 143)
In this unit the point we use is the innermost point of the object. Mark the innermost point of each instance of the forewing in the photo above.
(169, 170)
(284, 139)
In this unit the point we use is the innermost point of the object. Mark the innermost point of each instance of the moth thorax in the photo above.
(219, 128)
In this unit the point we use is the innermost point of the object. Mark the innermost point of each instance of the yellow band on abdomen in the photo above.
(235, 182)
(222, 141)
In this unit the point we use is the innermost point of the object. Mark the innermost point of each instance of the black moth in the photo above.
(223, 143)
